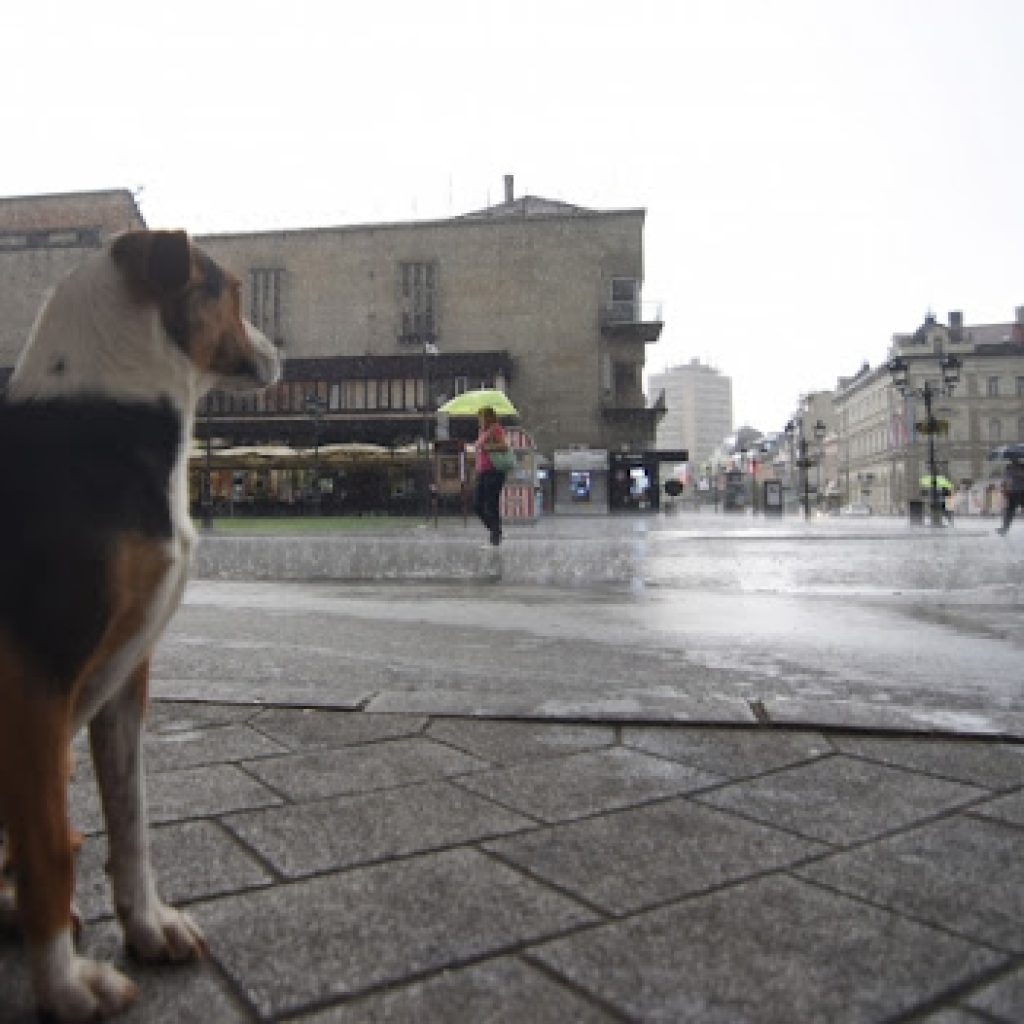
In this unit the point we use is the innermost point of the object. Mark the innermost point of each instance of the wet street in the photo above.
(691, 617)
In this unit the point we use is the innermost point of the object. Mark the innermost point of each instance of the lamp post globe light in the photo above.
(950, 366)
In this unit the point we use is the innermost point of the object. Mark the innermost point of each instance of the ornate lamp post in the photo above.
(950, 367)
(804, 462)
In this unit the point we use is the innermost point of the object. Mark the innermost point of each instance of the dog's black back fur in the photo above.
(75, 473)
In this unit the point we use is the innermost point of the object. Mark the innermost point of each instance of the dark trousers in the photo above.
(1014, 501)
(486, 494)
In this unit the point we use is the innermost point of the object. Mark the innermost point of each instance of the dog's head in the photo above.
(199, 305)
(149, 316)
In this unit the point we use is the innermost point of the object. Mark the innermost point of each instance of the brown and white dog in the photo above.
(95, 545)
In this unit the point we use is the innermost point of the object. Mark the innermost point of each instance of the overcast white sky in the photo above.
(816, 174)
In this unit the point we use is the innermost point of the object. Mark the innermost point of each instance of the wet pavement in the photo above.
(708, 791)
(696, 618)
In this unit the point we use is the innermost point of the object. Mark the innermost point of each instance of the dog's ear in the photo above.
(155, 263)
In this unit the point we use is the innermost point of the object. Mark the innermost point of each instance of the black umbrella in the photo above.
(1007, 451)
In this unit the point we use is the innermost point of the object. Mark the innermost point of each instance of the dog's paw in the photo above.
(88, 991)
(164, 934)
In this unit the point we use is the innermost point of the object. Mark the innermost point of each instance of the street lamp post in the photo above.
(804, 462)
(316, 407)
(950, 367)
(429, 349)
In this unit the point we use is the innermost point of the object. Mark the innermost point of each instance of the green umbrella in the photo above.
(469, 403)
(941, 482)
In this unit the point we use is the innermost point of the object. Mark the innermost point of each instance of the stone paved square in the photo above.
(842, 800)
(636, 858)
(573, 787)
(773, 951)
(310, 838)
(352, 769)
(965, 872)
(293, 945)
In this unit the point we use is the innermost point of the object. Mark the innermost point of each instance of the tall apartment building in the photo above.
(698, 408)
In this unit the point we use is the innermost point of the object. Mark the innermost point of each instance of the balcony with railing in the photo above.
(631, 320)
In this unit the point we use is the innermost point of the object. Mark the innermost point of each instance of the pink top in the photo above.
(493, 435)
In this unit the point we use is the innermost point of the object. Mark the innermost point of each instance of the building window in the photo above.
(418, 302)
(461, 385)
(995, 430)
(625, 304)
(265, 292)
(1020, 387)
(1020, 429)
(993, 387)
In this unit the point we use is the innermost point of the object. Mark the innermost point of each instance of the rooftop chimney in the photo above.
(509, 189)
(956, 325)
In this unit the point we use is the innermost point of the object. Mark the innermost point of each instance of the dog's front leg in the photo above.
(33, 785)
(153, 930)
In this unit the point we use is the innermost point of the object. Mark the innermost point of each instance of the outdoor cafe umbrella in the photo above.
(469, 403)
(941, 482)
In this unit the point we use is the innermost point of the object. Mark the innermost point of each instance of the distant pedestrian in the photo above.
(1013, 491)
(489, 481)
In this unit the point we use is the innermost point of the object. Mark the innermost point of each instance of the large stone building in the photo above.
(41, 239)
(883, 450)
(383, 322)
(698, 408)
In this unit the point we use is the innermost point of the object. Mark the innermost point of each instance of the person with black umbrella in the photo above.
(1013, 490)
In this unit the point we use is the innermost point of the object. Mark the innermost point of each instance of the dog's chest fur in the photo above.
(96, 534)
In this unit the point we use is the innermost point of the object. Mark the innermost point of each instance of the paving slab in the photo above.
(306, 839)
(732, 753)
(193, 860)
(180, 748)
(584, 784)
(502, 742)
(502, 991)
(771, 951)
(961, 873)
(630, 860)
(994, 765)
(1008, 808)
(174, 795)
(301, 944)
(319, 729)
(842, 800)
(353, 769)
(1003, 999)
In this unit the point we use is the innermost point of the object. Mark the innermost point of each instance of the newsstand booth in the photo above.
(581, 481)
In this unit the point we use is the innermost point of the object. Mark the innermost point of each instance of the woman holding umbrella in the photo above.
(489, 479)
